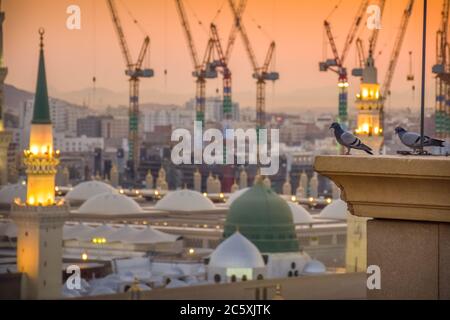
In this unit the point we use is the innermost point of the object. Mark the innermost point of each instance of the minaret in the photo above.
(210, 185)
(114, 174)
(303, 182)
(5, 137)
(314, 186)
(369, 104)
(149, 179)
(197, 181)
(243, 179)
(287, 188)
(40, 219)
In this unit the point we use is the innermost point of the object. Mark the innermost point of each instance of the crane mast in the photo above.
(441, 69)
(260, 74)
(202, 70)
(134, 71)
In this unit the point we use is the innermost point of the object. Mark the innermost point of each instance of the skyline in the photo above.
(301, 21)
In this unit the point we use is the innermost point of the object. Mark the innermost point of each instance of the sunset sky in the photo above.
(73, 57)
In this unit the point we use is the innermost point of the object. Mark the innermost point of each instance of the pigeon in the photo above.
(349, 140)
(412, 139)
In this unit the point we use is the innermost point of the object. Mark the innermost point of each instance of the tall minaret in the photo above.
(369, 104)
(40, 219)
(5, 137)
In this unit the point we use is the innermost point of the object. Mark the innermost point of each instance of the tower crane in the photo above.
(202, 69)
(337, 63)
(261, 74)
(386, 86)
(441, 69)
(135, 72)
(362, 55)
(223, 61)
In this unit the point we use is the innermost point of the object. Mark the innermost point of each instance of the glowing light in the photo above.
(217, 227)
(44, 149)
(205, 194)
(311, 199)
(376, 130)
(365, 93)
(156, 192)
(165, 223)
(121, 191)
(221, 195)
(293, 198)
(34, 149)
(31, 200)
(365, 127)
(328, 200)
(56, 188)
(191, 251)
(205, 226)
(84, 256)
(137, 191)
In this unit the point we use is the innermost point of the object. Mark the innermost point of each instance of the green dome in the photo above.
(264, 218)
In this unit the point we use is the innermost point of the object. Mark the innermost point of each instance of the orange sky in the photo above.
(73, 56)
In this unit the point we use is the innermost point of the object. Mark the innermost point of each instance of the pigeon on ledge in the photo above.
(412, 139)
(348, 140)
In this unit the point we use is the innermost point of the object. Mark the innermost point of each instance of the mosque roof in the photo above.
(185, 200)
(336, 210)
(88, 189)
(110, 203)
(299, 214)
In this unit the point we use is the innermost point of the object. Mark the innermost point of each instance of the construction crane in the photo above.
(441, 69)
(337, 63)
(202, 69)
(261, 74)
(135, 72)
(223, 61)
(385, 88)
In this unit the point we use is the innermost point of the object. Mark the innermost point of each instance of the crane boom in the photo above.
(244, 36)
(119, 30)
(269, 56)
(361, 52)
(374, 37)
(142, 52)
(234, 30)
(354, 29)
(188, 34)
(397, 48)
(333, 46)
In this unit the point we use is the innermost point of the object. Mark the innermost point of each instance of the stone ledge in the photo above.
(392, 187)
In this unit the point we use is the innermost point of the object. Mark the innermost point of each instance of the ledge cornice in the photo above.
(391, 187)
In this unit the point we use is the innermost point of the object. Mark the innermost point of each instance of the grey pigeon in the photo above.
(412, 139)
(348, 140)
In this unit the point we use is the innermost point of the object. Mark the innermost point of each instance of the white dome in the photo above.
(236, 252)
(336, 210)
(185, 200)
(299, 214)
(88, 189)
(236, 195)
(11, 191)
(110, 203)
(314, 267)
(76, 232)
(150, 235)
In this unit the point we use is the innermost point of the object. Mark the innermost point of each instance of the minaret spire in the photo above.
(41, 112)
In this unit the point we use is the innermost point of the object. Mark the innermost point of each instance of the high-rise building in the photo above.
(40, 219)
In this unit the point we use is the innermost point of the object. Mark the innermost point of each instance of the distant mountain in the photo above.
(15, 97)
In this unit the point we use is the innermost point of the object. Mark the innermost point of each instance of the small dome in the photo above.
(336, 210)
(88, 189)
(299, 214)
(314, 267)
(236, 252)
(11, 191)
(236, 195)
(111, 204)
(185, 200)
